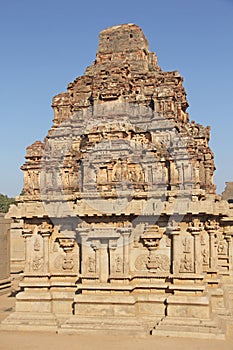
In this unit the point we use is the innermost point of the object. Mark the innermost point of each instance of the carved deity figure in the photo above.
(205, 256)
(118, 264)
(68, 263)
(36, 245)
(222, 247)
(186, 264)
(91, 265)
(187, 245)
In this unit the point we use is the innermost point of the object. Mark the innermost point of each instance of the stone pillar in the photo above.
(180, 175)
(17, 249)
(27, 234)
(197, 252)
(211, 228)
(96, 247)
(213, 263)
(195, 229)
(112, 256)
(229, 236)
(125, 232)
(83, 235)
(104, 263)
(197, 175)
(174, 230)
(45, 234)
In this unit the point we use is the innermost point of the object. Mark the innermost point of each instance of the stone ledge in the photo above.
(5, 286)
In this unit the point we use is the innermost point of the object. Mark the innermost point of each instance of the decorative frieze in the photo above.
(121, 222)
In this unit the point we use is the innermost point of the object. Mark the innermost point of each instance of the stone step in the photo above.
(189, 334)
(30, 321)
(222, 311)
(5, 286)
(106, 325)
(189, 327)
(181, 321)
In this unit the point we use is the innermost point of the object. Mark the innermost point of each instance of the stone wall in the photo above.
(4, 254)
(122, 226)
(17, 248)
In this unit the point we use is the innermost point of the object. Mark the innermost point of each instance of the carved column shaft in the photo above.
(46, 252)
(197, 252)
(125, 232)
(83, 235)
(229, 237)
(104, 263)
(45, 234)
(27, 235)
(112, 256)
(212, 250)
(175, 251)
(112, 259)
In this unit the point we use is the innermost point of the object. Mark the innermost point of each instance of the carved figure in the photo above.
(37, 245)
(187, 245)
(186, 264)
(91, 265)
(68, 263)
(222, 247)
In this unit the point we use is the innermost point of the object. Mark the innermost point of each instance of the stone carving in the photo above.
(123, 171)
(28, 229)
(45, 226)
(151, 237)
(37, 263)
(91, 265)
(68, 263)
(205, 256)
(67, 244)
(159, 263)
(187, 245)
(119, 172)
(222, 247)
(141, 262)
(203, 241)
(37, 245)
(186, 264)
(119, 216)
(118, 264)
(211, 225)
(168, 241)
(58, 262)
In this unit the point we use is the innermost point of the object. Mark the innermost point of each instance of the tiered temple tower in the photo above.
(123, 229)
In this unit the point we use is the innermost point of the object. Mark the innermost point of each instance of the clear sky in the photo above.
(46, 44)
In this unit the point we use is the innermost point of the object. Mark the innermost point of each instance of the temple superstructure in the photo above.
(123, 229)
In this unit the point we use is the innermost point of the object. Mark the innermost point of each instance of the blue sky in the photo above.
(46, 44)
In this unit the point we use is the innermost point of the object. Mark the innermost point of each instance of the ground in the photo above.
(41, 340)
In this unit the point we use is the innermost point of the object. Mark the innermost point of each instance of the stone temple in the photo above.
(122, 226)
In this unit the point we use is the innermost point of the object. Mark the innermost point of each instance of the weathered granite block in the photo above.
(5, 280)
(123, 230)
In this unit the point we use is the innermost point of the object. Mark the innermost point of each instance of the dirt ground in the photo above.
(12, 340)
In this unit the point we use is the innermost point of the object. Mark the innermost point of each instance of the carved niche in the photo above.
(66, 259)
(156, 262)
(118, 173)
(186, 262)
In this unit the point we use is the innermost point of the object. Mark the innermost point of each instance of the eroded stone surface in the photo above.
(5, 281)
(121, 221)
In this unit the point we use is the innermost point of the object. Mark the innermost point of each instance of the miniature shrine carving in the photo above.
(122, 227)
